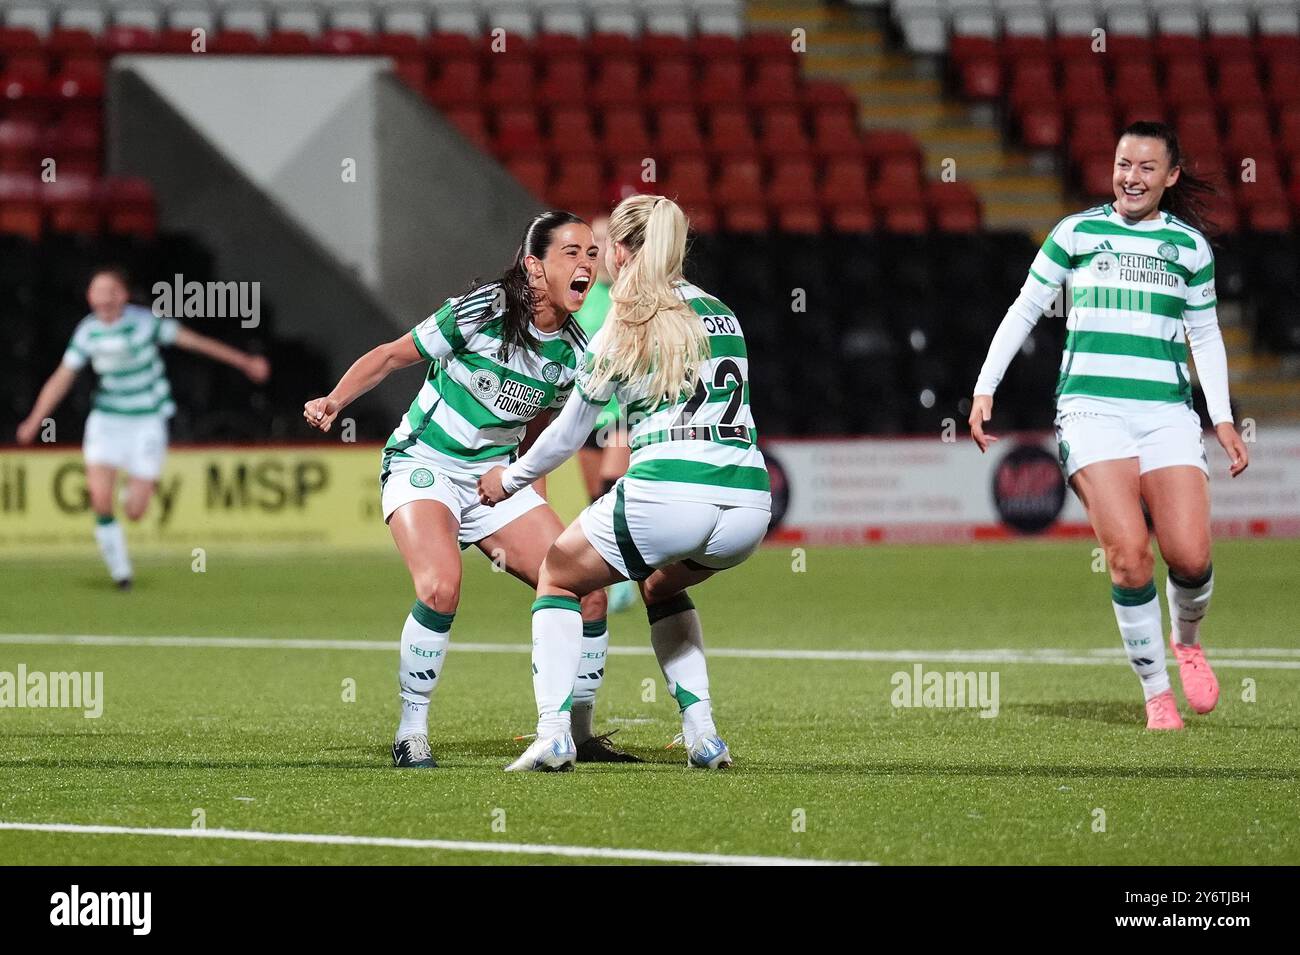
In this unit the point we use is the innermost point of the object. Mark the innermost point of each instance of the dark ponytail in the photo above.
(516, 320)
(1189, 198)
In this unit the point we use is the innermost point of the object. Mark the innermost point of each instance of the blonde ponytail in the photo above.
(650, 331)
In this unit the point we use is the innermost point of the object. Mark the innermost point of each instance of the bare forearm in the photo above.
(366, 372)
(52, 394)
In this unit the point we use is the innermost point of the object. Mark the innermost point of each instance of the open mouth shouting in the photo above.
(578, 288)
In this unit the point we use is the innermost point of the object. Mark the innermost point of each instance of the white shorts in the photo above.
(1160, 438)
(638, 536)
(136, 444)
(413, 480)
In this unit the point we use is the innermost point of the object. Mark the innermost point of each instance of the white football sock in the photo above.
(1188, 602)
(1137, 611)
(678, 643)
(557, 649)
(112, 547)
(591, 673)
(425, 637)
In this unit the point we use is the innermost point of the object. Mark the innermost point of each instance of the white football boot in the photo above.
(709, 752)
(554, 754)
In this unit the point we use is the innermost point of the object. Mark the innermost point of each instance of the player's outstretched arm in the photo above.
(52, 393)
(255, 367)
(366, 372)
(553, 447)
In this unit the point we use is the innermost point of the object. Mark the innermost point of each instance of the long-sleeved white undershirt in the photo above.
(560, 440)
(1203, 338)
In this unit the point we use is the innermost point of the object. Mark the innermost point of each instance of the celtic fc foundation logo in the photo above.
(551, 372)
(421, 477)
(1168, 251)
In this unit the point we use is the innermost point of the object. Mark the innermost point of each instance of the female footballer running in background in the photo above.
(498, 358)
(1141, 277)
(604, 456)
(694, 501)
(127, 427)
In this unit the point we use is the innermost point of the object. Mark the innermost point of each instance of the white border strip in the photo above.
(437, 845)
(1243, 658)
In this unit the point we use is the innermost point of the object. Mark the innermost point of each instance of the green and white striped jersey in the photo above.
(1129, 288)
(124, 354)
(479, 395)
(722, 464)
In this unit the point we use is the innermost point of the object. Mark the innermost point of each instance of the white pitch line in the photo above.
(1050, 656)
(445, 845)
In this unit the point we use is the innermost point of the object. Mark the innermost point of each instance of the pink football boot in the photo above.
(1162, 712)
(1199, 683)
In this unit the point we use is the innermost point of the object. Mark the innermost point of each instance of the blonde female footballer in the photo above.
(695, 499)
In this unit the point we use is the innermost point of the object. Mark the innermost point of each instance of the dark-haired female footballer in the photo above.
(498, 358)
(1140, 273)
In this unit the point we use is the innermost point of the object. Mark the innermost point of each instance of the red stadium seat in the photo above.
(74, 145)
(1284, 82)
(853, 217)
(688, 180)
(717, 46)
(1136, 85)
(562, 79)
(1249, 133)
(617, 83)
(24, 97)
(532, 172)
(243, 42)
(1042, 126)
(571, 132)
(345, 42)
(511, 83)
(20, 205)
(828, 95)
(793, 182)
(678, 133)
(288, 42)
(954, 207)
(611, 45)
(128, 206)
(32, 64)
(906, 219)
(627, 177)
(1186, 84)
(740, 181)
(775, 83)
(768, 47)
(457, 83)
(453, 46)
(897, 181)
(730, 132)
(547, 46)
(19, 39)
(61, 42)
(625, 132)
(71, 204)
(671, 83)
(749, 218)
(799, 219)
(981, 78)
(836, 134)
(577, 184)
(20, 146)
(782, 133)
(1288, 135)
(517, 131)
(1095, 174)
(655, 46)
(1090, 129)
(1238, 83)
(1032, 81)
(722, 82)
(844, 183)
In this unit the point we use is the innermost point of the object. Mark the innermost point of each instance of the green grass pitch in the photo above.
(262, 739)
